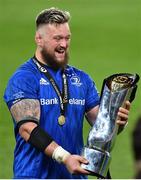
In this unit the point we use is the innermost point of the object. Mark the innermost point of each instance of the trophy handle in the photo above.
(133, 94)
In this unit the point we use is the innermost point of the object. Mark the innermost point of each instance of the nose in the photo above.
(64, 43)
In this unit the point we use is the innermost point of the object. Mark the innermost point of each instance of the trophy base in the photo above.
(98, 162)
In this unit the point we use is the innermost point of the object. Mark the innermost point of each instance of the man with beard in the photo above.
(48, 99)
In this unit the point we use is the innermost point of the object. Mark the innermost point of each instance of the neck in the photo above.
(39, 57)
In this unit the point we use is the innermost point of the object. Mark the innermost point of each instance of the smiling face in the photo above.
(53, 44)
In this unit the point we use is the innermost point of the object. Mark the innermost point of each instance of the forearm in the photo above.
(50, 148)
(91, 115)
(41, 140)
(26, 132)
(27, 116)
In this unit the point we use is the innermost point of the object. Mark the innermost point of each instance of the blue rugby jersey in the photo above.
(29, 83)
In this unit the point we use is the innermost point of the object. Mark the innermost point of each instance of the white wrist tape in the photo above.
(60, 154)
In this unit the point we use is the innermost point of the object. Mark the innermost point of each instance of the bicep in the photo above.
(92, 114)
(26, 109)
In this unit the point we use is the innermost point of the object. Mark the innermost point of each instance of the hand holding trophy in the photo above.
(116, 89)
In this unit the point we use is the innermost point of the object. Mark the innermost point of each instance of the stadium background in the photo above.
(105, 40)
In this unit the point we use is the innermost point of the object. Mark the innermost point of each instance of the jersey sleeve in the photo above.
(22, 85)
(92, 95)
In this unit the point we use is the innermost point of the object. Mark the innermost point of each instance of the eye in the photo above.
(57, 38)
(67, 38)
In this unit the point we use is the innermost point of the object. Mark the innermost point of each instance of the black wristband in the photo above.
(39, 138)
(21, 122)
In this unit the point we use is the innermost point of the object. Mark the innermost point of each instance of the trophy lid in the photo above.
(121, 81)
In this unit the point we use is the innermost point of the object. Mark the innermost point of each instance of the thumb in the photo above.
(127, 105)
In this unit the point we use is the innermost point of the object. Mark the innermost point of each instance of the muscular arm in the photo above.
(29, 109)
(91, 115)
(26, 109)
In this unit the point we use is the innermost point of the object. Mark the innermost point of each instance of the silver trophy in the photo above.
(115, 91)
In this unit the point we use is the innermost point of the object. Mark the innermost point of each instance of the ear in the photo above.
(38, 39)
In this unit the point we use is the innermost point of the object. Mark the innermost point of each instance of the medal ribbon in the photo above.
(63, 97)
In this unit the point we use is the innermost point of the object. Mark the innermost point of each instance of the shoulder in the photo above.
(22, 84)
(28, 70)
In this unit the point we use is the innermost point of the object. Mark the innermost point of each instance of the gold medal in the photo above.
(61, 120)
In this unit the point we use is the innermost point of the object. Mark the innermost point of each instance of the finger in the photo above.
(126, 108)
(119, 122)
(123, 110)
(83, 171)
(122, 115)
(82, 160)
(127, 105)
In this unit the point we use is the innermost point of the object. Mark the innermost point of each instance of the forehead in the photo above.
(57, 29)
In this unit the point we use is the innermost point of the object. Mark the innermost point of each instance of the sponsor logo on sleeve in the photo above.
(18, 95)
